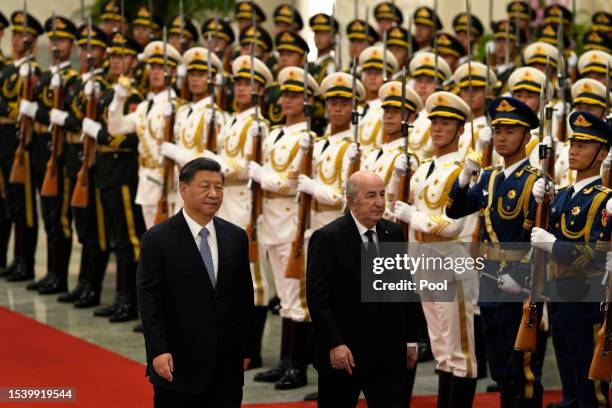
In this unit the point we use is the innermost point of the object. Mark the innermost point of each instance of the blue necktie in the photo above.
(207, 256)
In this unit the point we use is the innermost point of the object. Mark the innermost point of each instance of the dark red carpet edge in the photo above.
(33, 354)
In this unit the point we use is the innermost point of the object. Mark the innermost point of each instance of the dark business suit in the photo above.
(376, 333)
(182, 314)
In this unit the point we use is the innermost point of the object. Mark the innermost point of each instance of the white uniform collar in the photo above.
(440, 161)
(294, 127)
(579, 185)
(202, 103)
(509, 170)
(163, 96)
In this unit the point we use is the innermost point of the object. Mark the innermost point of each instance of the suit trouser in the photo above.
(125, 225)
(574, 351)
(292, 292)
(382, 389)
(214, 397)
(516, 372)
(20, 202)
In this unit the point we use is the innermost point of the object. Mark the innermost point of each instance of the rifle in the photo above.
(80, 195)
(211, 134)
(152, 32)
(507, 46)
(487, 151)
(385, 75)
(435, 48)
(256, 192)
(295, 264)
(404, 183)
(601, 364)
(19, 172)
(50, 185)
(355, 121)
(607, 179)
(550, 169)
(527, 334)
(561, 84)
(185, 84)
(469, 61)
(162, 212)
(410, 50)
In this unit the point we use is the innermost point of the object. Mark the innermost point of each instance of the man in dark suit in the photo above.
(195, 296)
(369, 347)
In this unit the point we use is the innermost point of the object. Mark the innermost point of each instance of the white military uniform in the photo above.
(370, 127)
(419, 140)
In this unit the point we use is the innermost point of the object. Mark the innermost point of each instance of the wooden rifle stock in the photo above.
(256, 205)
(295, 264)
(403, 194)
(50, 185)
(162, 213)
(211, 134)
(18, 170)
(80, 196)
(528, 329)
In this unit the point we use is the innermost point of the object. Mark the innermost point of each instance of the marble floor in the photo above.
(119, 337)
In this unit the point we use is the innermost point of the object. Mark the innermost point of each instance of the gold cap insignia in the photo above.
(549, 31)
(143, 12)
(285, 11)
(582, 122)
(423, 12)
(358, 26)
(287, 37)
(320, 19)
(440, 101)
(505, 106)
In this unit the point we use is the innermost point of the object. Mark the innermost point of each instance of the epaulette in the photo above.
(318, 138)
(603, 189)
(313, 134)
(275, 127)
(533, 170)
(426, 160)
(491, 168)
(459, 164)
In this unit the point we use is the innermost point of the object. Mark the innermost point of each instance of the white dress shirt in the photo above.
(579, 185)
(195, 229)
(510, 169)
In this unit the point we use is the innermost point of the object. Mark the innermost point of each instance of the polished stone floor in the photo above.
(119, 337)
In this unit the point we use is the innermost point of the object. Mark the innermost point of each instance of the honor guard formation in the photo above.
(490, 135)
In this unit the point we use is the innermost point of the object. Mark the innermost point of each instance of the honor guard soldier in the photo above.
(471, 79)
(577, 215)
(372, 66)
(286, 18)
(450, 323)
(423, 71)
(243, 12)
(382, 160)
(292, 49)
(449, 48)
(387, 15)
(189, 33)
(146, 26)
(116, 178)
(460, 27)
(19, 195)
(505, 54)
(502, 196)
(148, 121)
(196, 124)
(360, 35)
(397, 44)
(222, 38)
(334, 153)
(593, 40)
(88, 216)
(62, 36)
(601, 22)
(282, 155)
(325, 30)
(263, 43)
(426, 24)
(3, 24)
(521, 12)
(592, 64)
(112, 18)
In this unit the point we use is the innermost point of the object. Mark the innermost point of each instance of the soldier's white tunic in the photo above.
(370, 127)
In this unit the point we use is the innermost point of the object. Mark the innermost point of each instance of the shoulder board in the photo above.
(179, 101)
(459, 164)
(318, 138)
(347, 139)
(427, 160)
(491, 168)
(533, 170)
(313, 134)
(603, 189)
(276, 127)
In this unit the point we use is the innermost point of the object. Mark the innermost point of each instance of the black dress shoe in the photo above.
(312, 396)
(21, 273)
(125, 313)
(495, 387)
(555, 405)
(73, 295)
(8, 270)
(53, 287)
(110, 310)
(274, 374)
(89, 298)
(294, 378)
(137, 328)
(37, 284)
(255, 363)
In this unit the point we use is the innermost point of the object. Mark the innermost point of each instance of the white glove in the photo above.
(400, 165)
(169, 150)
(181, 71)
(121, 92)
(609, 262)
(24, 70)
(28, 108)
(305, 141)
(558, 110)
(255, 130)
(539, 188)
(255, 171)
(606, 165)
(404, 212)
(484, 137)
(166, 109)
(91, 128)
(56, 81)
(89, 88)
(352, 152)
(306, 184)
(208, 117)
(572, 61)
(469, 168)
(542, 239)
(609, 207)
(509, 285)
(58, 117)
(219, 80)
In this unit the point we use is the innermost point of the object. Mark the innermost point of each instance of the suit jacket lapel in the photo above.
(351, 236)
